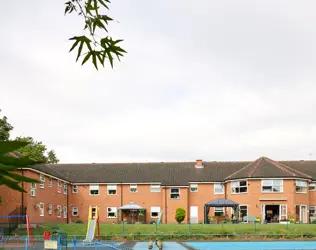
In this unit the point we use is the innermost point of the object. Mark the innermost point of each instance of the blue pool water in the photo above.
(268, 245)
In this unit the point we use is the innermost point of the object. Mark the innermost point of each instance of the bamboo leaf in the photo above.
(94, 60)
(86, 58)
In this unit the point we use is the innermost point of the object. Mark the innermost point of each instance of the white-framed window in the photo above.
(65, 212)
(175, 193)
(74, 189)
(94, 190)
(312, 186)
(239, 187)
(243, 211)
(301, 186)
(65, 188)
(33, 189)
(193, 188)
(218, 188)
(155, 188)
(41, 208)
(42, 181)
(75, 211)
(59, 185)
(283, 211)
(59, 210)
(154, 212)
(218, 211)
(272, 186)
(133, 188)
(111, 189)
(111, 212)
(50, 182)
(50, 209)
(312, 210)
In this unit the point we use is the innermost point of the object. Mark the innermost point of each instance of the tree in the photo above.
(51, 157)
(5, 128)
(180, 215)
(96, 46)
(9, 164)
(36, 151)
(33, 149)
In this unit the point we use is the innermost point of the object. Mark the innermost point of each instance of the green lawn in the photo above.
(118, 229)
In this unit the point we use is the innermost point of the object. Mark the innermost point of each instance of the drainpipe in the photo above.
(166, 220)
(121, 200)
(67, 203)
(188, 205)
(22, 198)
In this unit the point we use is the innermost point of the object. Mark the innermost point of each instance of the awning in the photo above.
(221, 203)
(131, 206)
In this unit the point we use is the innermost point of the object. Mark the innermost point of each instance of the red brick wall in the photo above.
(254, 198)
(10, 199)
(47, 195)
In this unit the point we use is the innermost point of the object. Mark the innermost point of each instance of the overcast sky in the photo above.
(216, 80)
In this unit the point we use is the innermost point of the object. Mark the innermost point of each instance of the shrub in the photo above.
(79, 222)
(180, 215)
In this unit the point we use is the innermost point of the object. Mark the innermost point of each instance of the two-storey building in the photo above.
(264, 188)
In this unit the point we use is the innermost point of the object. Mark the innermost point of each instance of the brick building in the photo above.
(264, 188)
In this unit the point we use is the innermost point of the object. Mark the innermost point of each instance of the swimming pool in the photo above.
(267, 245)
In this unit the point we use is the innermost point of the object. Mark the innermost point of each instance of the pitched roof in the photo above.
(267, 168)
(178, 173)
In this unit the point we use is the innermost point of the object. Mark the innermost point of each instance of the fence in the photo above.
(21, 243)
(108, 230)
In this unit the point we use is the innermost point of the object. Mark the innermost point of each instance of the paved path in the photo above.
(166, 245)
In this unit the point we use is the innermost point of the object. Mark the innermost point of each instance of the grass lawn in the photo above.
(118, 229)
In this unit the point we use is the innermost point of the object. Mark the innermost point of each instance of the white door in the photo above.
(303, 214)
(283, 212)
(263, 213)
(194, 214)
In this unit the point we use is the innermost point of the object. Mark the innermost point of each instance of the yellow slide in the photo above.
(92, 223)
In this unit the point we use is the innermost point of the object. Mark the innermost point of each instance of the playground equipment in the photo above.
(93, 222)
(17, 226)
(159, 217)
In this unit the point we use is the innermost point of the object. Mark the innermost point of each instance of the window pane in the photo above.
(267, 189)
(243, 183)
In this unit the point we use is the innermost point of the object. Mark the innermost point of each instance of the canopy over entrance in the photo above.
(132, 213)
(217, 203)
(131, 206)
(221, 203)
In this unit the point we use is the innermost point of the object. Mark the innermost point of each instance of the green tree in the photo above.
(9, 164)
(180, 215)
(36, 151)
(94, 43)
(5, 128)
(51, 157)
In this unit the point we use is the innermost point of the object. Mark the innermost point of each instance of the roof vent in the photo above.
(199, 164)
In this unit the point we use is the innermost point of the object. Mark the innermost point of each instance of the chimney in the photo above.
(199, 164)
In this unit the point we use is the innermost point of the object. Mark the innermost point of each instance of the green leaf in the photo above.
(21, 162)
(21, 178)
(11, 146)
(101, 58)
(103, 3)
(86, 58)
(10, 183)
(110, 58)
(94, 60)
(74, 45)
(79, 50)
(106, 18)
